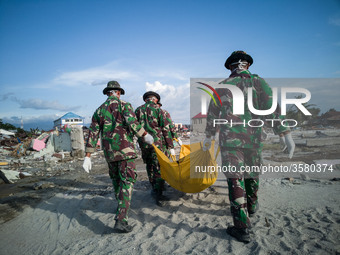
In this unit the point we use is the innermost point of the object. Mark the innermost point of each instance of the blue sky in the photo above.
(57, 56)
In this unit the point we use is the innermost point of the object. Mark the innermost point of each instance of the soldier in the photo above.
(241, 144)
(172, 128)
(154, 121)
(117, 124)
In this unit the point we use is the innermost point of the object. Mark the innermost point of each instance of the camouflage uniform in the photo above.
(117, 124)
(172, 131)
(241, 145)
(154, 121)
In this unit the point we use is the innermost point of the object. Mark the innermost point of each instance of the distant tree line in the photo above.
(294, 113)
(9, 127)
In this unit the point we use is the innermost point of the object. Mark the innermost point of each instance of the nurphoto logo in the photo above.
(238, 103)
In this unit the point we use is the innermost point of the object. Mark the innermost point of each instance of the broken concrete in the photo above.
(48, 150)
(323, 141)
(4, 178)
(11, 175)
(43, 137)
(62, 142)
(77, 141)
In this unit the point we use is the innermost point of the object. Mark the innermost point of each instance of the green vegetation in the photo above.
(20, 131)
(7, 126)
(294, 113)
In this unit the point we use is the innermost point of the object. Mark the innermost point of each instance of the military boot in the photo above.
(160, 198)
(252, 212)
(122, 227)
(241, 234)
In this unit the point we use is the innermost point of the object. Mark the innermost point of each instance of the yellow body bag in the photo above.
(183, 174)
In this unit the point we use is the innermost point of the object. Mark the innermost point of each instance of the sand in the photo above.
(293, 219)
(77, 217)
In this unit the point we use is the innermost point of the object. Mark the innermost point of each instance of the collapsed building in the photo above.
(64, 142)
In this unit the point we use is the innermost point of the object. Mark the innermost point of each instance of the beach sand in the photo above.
(76, 216)
(293, 219)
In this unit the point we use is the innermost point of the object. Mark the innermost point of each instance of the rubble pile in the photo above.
(49, 154)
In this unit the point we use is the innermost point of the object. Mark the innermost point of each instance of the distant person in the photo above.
(117, 124)
(154, 121)
(241, 144)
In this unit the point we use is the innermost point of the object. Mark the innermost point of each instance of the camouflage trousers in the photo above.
(123, 175)
(153, 169)
(242, 186)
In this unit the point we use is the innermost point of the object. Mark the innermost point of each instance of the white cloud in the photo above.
(117, 71)
(175, 99)
(94, 76)
(42, 122)
(39, 104)
(125, 72)
(169, 92)
(131, 75)
(30, 119)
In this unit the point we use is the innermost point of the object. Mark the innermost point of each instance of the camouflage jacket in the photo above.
(240, 135)
(154, 121)
(117, 124)
(172, 131)
(171, 124)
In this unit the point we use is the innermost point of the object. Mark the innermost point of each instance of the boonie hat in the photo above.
(113, 85)
(236, 56)
(151, 93)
